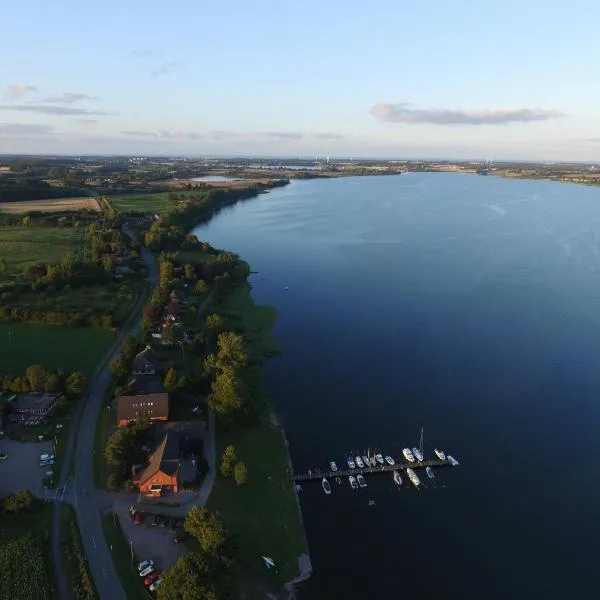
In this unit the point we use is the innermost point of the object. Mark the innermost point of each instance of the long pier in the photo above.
(311, 475)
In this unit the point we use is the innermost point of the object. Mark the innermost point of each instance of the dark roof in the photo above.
(145, 384)
(36, 401)
(165, 458)
(174, 308)
(129, 407)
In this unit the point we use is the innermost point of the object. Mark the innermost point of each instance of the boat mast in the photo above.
(421, 446)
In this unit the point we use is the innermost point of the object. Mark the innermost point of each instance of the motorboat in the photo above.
(440, 454)
(372, 461)
(452, 461)
(397, 478)
(414, 479)
(366, 461)
(430, 472)
(350, 462)
(361, 481)
(379, 459)
(389, 460)
(353, 483)
(359, 462)
(408, 455)
(326, 486)
(333, 466)
(417, 454)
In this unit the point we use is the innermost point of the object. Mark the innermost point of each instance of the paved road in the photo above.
(82, 490)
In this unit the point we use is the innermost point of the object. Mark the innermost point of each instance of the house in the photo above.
(173, 309)
(36, 404)
(162, 475)
(143, 363)
(156, 406)
(145, 384)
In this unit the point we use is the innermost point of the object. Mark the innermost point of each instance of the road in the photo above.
(82, 489)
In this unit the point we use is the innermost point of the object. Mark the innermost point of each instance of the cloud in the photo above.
(164, 69)
(24, 129)
(20, 90)
(402, 113)
(162, 134)
(143, 53)
(46, 109)
(86, 121)
(69, 98)
(328, 136)
(283, 135)
(593, 140)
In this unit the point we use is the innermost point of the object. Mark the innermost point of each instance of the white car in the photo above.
(154, 585)
(147, 571)
(144, 564)
(46, 457)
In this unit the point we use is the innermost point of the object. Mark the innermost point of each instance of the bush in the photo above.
(240, 474)
(113, 482)
(19, 502)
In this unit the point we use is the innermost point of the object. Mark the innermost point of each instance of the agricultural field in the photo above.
(54, 347)
(142, 203)
(21, 245)
(50, 206)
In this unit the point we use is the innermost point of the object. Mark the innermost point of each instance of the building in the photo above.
(156, 406)
(162, 475)
(36, 404)
(143, 363)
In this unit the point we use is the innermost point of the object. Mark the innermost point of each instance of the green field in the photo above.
(192, 256)
(20, 245)
(262, 515)
(142, 203)
(67, 348)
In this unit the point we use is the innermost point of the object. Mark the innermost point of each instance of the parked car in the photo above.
(147, 571)
(182, 535)
(3, 456)
(46, 457)
(156, 520)
(145, 564)
(154, 585)
(151, 578)
(138, 517)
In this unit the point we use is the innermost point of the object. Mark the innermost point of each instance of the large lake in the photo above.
(466, 305)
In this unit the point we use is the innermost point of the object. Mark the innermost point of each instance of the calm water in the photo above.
(469, 306)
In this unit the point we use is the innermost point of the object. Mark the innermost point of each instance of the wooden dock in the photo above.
(316, 474)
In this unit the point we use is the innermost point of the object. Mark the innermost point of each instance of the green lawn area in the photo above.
(121, 555)
(262, 515)
(20, 245)
(67, 348)
(192, 256)
(254, 321)
(142, 203)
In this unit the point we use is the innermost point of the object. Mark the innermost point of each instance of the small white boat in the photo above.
(413, 477)
(350, 462)
(379, 458)
(326, 486)
(389, 460)
(359, 462)
(417, 454)
(333, 466)
(361, 481)
(440, 454)
(397, 478)
(452, 461)
(429, 472)
(366, 461)
(408, 455)
(353, 483)
(372, 461)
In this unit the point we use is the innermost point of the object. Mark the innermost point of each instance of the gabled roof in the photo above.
(165, 458)
(155, 405)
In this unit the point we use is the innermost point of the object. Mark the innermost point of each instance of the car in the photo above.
(147, 571)
(151, 578)
(138, 517)
(46, 463)
(153, 587)
(156, 520)
(182, 535)
(46, 457)
(3, 456)
(145, 564)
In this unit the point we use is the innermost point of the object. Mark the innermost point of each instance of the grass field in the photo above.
(192, 256)
(53, 205)
(262, 515)
(68, 348)
(142, 203)
(20, 245)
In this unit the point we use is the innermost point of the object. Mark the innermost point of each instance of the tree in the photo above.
(113, 481)
(226, 396)
(201, 287)
(240, 473)
(18, 502)
(75, 384)
(119, 367)
(167, 271)
(26, 220)
(129, 348)
(170, 381)
(36, 375)
(172, 335)
(227, 461)
(2, 266)
(207, 527)
(189, 272)
(214, 325)
(232, 350)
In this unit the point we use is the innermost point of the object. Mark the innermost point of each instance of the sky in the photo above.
(458, 80)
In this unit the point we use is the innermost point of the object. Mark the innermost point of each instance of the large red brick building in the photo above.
(162, 475)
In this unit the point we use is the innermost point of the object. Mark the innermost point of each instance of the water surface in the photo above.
(466, 305)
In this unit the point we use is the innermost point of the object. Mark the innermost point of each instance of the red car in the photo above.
(151, 578)
(138, 517)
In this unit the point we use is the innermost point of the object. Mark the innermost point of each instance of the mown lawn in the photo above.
(142, 203)
(67, 348)
(20, 245)
(262, 515)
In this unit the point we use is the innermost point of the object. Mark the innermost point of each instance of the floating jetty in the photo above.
(311, 475)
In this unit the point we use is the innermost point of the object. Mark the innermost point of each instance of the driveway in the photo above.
(21, 470)
(151, 541)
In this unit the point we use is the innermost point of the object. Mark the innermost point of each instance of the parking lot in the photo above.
(21, 469)
(151, 541)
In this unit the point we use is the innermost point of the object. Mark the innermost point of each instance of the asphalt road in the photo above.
(82, 489)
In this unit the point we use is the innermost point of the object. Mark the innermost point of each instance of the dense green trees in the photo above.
(45, 381)
(240, 473)
(227, 461)
(124, 446)
(171, 380)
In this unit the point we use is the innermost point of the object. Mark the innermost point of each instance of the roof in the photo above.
(165, 458)
(36, 401)
(129, 407)
(174, 308)
(146, 384)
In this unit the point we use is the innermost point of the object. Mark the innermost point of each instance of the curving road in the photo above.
(82, 492)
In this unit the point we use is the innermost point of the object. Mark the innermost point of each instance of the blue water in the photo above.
(466, 305)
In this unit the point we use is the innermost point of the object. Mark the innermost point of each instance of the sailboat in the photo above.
(326, 486)
(397, 478)
(418, 452)
(429, 472)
